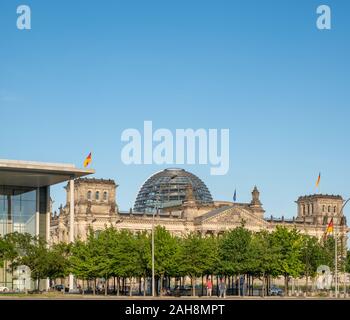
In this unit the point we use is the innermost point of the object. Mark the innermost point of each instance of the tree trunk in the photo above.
(193, 287)
(106, 286)
(113, 285)
(12, 274)
(307, 284)
(131, 286)
(83, 290)
(217, 285)
(144, 286)
(94, 287)
(161, 284)
(202, 285)
(263, 286)
(239, 285)
(140, 291)
(286, 284)
(118, 286)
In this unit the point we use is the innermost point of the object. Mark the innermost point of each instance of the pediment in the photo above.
(233, 216)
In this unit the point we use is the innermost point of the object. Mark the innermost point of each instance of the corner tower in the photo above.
(320, 209)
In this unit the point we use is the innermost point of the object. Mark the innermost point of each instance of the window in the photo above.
(89, 195)
(97, 232)
(105, 196)
(329, 208)
(323, 208)
(335, 209)
(303, 208)
(97, 195)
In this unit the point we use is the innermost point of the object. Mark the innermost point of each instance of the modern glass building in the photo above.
(169, 187)
(25, 205)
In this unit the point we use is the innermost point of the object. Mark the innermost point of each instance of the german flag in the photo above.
(318, 180)
(329, 229)
(87, 160)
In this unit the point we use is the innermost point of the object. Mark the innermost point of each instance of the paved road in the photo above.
(98, 297)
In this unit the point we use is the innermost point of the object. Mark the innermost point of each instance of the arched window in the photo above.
(97, 195)
(105, 196)
(329, 208)
(89, 195)
(335, 209)
(303, 209)
(323, 208)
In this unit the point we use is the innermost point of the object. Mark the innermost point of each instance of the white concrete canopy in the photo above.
(38, 174)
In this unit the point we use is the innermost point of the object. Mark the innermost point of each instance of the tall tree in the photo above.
(263, 255)
(35, 257)
(166, 247)
(311, 256)
(198, 255)
(234, 252)
(288, 244)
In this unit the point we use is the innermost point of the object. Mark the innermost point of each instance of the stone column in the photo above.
(37, 215)
(48, 218)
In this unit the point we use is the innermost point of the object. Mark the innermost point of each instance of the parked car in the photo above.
(4, 289)
(183, 290)
(59, 287)
(275, 291)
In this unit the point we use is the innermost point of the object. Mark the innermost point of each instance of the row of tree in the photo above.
(122, 254)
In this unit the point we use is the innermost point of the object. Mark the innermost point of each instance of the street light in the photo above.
(336, 259)
(154, 211)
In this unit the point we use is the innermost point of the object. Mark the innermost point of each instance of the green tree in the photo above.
(58, 260)
(347, 265)
(165, 251)
(198, 255)
(15, 245)
(144, 256)
(288, 244)
(123, 255)
(262, 259)
(311, 256)
(84, 259)
(35, 257)
(234, 252)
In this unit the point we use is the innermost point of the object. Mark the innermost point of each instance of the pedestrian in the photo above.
(209, 287)
(222, 288)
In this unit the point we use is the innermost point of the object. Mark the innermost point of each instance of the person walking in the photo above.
(222, 288)
(209, 287)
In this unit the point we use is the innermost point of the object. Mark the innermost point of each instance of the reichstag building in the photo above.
(182, 203)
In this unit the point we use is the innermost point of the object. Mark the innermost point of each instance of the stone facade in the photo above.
(95, 207)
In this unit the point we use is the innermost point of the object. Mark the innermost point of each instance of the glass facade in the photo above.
(20, 207)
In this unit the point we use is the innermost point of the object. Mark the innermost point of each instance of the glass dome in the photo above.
(167, 188)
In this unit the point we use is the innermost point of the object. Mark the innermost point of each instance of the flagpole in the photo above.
(341, 212)
(336, 261)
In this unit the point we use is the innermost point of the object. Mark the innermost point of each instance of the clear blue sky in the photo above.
(90, 69)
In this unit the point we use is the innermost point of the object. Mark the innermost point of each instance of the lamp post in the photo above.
(336, 271)
(154, 211)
